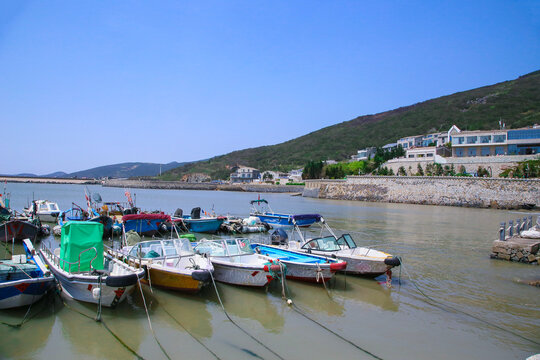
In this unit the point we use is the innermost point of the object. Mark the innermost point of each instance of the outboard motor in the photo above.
(279, 237)
(178, 213)
(196, 213)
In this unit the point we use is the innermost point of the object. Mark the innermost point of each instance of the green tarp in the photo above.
(78, 236)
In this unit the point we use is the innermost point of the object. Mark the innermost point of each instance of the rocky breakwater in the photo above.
(518, 242)
(452, 191)
(180, 185)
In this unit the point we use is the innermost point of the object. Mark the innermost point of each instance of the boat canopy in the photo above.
(258, 201)
(146, 217)
(81, 241)
(317, 217)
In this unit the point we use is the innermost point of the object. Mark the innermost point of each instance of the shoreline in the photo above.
(47, 180)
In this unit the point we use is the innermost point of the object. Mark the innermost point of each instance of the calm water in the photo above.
(445, 253)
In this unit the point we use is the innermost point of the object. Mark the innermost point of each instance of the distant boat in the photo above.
(144, 224)
(84, 271)
(261, 209)
(171, 263)
(236, 263)
(198, 224)
(301, 266)
(46, 210)
(24, 279)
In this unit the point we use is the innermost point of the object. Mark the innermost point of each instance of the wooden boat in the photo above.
(236, 263)
(144, 224)
(84, 271)
(171, 263)
(45, 210)
(360, 260)
(302, 266)
(18, 230)
(261, 209)
(24, 279)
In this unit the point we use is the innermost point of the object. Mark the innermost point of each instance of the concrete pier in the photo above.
(518, 241)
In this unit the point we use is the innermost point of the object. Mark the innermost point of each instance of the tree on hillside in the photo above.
(313, 170)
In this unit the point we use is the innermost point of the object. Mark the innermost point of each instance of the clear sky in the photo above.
(91, 83)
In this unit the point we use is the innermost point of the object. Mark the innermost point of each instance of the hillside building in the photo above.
(244, 174)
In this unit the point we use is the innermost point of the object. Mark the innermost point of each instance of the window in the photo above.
(524, 134)
(411, 156)
(459, 152)
(485, 139)
(460, 140)
(472, 139)
(429, 155)
(471, 152)
(499, 138)
(485, 151)
(499, 150)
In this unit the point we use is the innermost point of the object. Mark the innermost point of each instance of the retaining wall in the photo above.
(452, 191)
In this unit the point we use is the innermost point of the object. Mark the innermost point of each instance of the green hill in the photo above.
(515, 102)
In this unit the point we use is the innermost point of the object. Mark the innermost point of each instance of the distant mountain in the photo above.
(125, 170)
(515, 102)
(58, 174)
(26, 175)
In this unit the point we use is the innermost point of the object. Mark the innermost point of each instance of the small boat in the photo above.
(361, 260)
(236, 263)
(261, 209)
(171, 263)
(204, 224)
(77, 213)
(24, 279)
(144, 224)
(302, 266)
(19, 229)
(46, 210)
(84, 271)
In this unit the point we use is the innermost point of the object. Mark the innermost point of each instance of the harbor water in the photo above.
(449, 300)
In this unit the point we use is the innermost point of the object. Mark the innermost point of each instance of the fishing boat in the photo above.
(46, 210)
(144, 224)
(84, 271)
(236, 263)
(77, 213)
(201, 224)
(171, 263)
(261, 209)
(24, 279)
(360, 260)
(302, 266)
(19, 229)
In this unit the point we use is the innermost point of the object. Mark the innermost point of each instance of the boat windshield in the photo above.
(53, 207)
(327, 243)
(228, 247)
(161, 248)
(347, 241)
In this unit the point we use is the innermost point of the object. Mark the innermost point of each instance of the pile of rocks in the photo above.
(522, 246)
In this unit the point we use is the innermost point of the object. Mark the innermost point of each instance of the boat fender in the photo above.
(392, 261)
(96, 293)
(121, 281)
(201, 275)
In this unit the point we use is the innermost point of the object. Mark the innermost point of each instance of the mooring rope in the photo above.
(127, 347)
(26, 317)
(150, 323)
(238, 326)
(299, 311)
(443, 307)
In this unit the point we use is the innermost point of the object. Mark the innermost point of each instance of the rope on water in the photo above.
(445, 307)
(150, 323)
(302, 313)
(238, 326)
(27, 316)
(105, 326)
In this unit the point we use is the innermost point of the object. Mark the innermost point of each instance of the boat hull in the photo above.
(203, 225)
(24, 292)
(173, 280)
(143, 227)
(282, 219)
(18, 230)
(84, 287)
(241, 275)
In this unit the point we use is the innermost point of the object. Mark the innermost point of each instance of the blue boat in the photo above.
(301, 266)
(261, 209)
(198, 224)
(24, 279)
(144, 224)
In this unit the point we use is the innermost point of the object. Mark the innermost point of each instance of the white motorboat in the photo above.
(46, 210)
(84, 271)
(236, 263)
(360, 260)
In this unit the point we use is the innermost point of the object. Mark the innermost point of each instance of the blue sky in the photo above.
(91, 83)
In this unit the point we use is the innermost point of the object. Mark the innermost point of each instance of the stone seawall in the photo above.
(178, 185)
(451, 191)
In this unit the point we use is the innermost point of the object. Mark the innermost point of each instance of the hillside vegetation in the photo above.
(515, 102)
